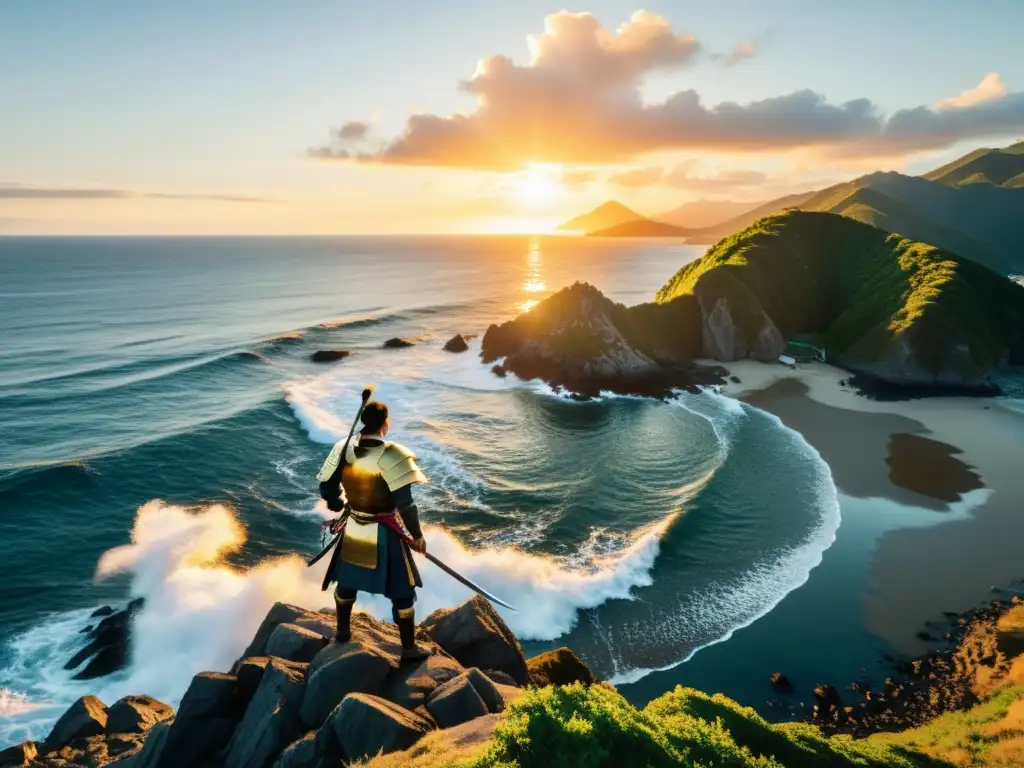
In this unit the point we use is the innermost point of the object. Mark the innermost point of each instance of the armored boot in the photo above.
(405, 618)
(344, 606)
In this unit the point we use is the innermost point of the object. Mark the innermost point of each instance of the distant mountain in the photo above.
(713, 234)
(999, 167)
(700, 214)
(971, 207)
(641, 228)
(606, 215)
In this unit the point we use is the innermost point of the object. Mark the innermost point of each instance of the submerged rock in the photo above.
(328, 355)
(780, 682)
(397, 343)
(108, 646)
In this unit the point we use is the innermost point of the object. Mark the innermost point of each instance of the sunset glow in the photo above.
(513, 124)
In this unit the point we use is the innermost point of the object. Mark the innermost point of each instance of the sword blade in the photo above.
(460, 578)
(323, 552)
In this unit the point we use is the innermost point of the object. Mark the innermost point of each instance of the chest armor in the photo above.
(365, 485)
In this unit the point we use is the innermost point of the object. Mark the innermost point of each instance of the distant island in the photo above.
(970, 207)
(899, 311)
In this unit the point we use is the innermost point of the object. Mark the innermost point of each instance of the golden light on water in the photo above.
(534, 282)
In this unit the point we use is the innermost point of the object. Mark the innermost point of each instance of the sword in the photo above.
(459, 577)
(436, 561)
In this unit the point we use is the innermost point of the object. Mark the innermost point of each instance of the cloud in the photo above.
(990, 88)
(682, 178)
(353, 130)
(578, 178)
(578, 101)
(28, 192)
(638, 177)
(745, 50)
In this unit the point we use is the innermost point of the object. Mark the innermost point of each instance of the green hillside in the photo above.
(983, 166)
(970, 206)
(882, 304)
(871, 206)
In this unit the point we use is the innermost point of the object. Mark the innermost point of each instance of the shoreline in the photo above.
(950, 455)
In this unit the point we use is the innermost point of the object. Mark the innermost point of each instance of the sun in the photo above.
(538, 184)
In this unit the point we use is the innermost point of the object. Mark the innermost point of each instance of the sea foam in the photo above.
(200, 612)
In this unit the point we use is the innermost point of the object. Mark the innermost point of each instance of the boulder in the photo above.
(475, 635)
(559, 667)
(280, 613)
(299, 754)
(366, 725)
(295, 643)
(323, 624)
(456, 702)
(397, 343)
(328, 355)
(207, 716)
(495, 695)
(151, 754)
(86, 717)
(456, 343)
(410, 684)
(20, 755)
(271, 721)
(136, 714)
(341, 669)
(250, 674)
(499, 370)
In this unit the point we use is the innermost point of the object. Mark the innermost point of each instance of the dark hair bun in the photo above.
(374, 416)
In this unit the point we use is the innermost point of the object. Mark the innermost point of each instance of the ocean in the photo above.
(161, 425)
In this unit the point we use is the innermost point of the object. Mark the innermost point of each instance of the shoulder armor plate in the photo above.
(398, 466)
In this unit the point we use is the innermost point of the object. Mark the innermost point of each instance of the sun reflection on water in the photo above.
(534, 282)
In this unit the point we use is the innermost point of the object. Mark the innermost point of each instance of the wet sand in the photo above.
(962, 458)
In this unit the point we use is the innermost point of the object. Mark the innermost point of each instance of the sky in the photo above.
(336, 116)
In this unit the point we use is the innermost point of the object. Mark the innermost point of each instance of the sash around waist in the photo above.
(370, 517)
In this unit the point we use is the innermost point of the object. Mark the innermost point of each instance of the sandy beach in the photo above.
(961, 458)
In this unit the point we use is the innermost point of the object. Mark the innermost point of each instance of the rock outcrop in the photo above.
(297, 697)
(108, 647)
(456, 343)
(397, 343)
(581, 340)
(559, 667)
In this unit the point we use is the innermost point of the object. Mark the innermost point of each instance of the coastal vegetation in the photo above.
(879, 303)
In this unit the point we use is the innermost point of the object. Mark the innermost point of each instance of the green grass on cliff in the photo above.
(860, 291)
(579, 727)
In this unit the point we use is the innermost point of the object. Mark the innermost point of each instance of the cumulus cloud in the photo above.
(990, 88)
(578, 101)
(638, 177)
(28, 192)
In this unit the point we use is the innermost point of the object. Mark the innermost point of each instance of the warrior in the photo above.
(369, 480)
